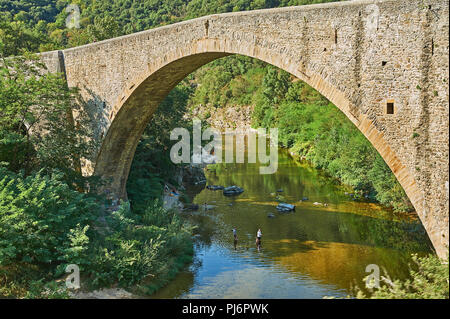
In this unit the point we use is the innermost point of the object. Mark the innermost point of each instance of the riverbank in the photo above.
(172, 200)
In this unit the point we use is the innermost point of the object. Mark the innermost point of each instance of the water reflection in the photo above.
(313, 252)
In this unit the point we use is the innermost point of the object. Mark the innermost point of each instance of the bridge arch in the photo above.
(362, 55)
(137, 103)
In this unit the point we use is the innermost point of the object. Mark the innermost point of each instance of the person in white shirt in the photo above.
(258, 238)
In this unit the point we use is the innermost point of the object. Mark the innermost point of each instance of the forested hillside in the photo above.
(309, 125)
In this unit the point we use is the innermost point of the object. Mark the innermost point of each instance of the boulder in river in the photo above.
(193, 175)
(232, 190)
(284, 207)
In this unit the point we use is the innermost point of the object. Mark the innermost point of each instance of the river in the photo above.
(317, 251)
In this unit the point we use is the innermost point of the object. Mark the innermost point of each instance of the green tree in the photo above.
(36, 118)
(275, 85)
(39, 218)
(102, 29)
(15, 37)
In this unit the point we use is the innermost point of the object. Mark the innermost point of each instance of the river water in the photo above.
(314, 252)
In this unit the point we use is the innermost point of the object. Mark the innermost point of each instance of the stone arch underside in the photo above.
(134, 112)
(359, 54)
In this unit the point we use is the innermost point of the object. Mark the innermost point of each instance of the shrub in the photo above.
(141, 246)
(429, 280)
(41, 219)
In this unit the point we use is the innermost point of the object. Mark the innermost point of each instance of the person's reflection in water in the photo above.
(235, 238)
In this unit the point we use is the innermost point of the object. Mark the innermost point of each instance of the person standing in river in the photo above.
(235, 238)
(258, 238)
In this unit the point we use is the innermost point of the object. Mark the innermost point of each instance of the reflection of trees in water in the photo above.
(295, 179)
(180, 285)
(299, 180)
(336, 248)
(405, 236)
(204, 232)
(332, 244)
(326, 226)
(342, 264)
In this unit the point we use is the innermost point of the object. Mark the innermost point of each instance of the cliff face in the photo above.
(229, 117)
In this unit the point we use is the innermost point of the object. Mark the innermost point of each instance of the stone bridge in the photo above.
(383, 63)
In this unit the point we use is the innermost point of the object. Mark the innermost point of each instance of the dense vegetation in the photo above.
(309, 125)
(46, 225)
(49, 213)
(51, 216)
(429, 280)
